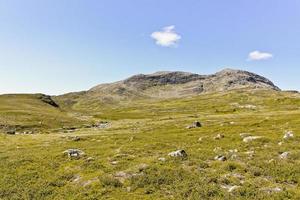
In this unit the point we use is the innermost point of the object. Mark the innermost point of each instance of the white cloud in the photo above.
(167, 37)
(257, 55)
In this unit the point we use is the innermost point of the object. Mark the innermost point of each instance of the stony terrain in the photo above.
(238, 139)
(165, 85)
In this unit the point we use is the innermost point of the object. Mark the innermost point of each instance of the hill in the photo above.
(163, 85)
(32, 112)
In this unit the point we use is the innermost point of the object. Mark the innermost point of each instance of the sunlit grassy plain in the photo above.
(34, 167)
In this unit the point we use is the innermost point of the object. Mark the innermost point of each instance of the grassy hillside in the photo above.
(129, 159)
(32, 112)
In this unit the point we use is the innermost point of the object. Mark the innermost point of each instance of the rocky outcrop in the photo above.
(165, 85)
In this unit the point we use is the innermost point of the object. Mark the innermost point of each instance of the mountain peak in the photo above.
(173, 84)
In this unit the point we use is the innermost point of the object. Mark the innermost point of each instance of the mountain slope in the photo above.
(21, 112)
(163, 85)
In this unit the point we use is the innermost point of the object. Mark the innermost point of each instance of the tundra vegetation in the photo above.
(247, 147)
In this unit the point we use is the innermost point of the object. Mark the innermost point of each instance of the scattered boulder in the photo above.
(288, 135)
(284, 155)
(251, 138)
(178, 153)
(195, 124)
(219, 136)
(220, 158)
(74, 153)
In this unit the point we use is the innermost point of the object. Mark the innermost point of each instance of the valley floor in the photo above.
(129, 159)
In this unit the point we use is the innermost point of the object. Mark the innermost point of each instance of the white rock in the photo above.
(284, 155)
(288, 135)
(114, 162)
(220, 158)
(249, 106)
(233, 151)
(162, 159)
(251, 138)
(219, 136)
(74, 153)
(178, 153)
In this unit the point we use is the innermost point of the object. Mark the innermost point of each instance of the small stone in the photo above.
(114, 162)
(162, 159)
(178, 153)
(284, 155)
(288, 135)
(220, 158)
(74, 153)
(195, 124)
(219, 136)
(251, 138)
(233, 151)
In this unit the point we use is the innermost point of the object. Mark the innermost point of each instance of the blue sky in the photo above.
(58, 46)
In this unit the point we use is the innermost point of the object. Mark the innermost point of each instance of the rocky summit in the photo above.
(166, 84)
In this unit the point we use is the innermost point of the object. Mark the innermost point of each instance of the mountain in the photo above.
(165, 84)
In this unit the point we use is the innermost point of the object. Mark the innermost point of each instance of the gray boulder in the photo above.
(178, 153)
(74, 153)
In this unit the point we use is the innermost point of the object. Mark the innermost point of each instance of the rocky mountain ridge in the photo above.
(166, 84)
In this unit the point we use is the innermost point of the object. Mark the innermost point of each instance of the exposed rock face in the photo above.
(169, 85)
(224, 80)
(48, 100)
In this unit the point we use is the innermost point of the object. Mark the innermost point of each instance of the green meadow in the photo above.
(128, 158)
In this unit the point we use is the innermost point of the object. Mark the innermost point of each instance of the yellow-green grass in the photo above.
(28, 112)
(34, 167)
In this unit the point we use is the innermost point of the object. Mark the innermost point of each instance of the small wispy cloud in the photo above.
(257, 55)
(167, 37)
